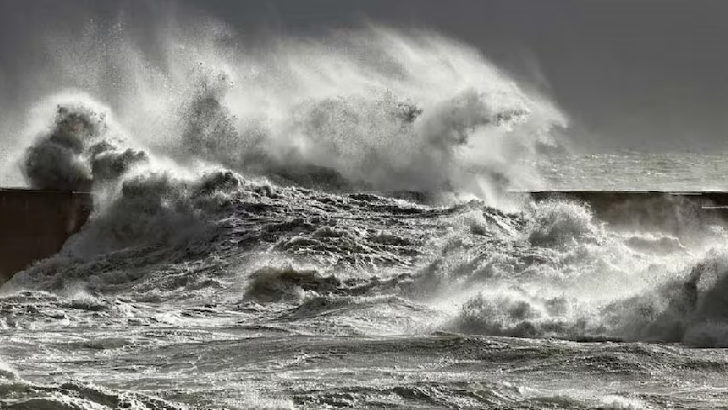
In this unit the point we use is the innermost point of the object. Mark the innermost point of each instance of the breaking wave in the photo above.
(372, 109)
(331, 177)
(690, 310)
(578, 280)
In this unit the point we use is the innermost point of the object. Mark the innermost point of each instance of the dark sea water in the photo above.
(343, 231)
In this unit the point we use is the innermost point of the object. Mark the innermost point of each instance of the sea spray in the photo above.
(216, 154)
(77, 147)
(374, 109)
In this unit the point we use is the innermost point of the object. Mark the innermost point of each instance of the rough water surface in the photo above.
(290, 297)
(299, 236)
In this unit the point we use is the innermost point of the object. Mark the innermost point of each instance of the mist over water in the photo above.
(373, 109)
(353, 184)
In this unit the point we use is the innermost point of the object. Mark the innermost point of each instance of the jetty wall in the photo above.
(35, 224)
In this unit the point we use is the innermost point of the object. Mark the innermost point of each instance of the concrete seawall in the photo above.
(35, 224)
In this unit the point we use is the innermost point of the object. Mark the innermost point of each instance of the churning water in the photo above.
(330, 222)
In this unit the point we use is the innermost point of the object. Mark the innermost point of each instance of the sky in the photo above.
(630, 74)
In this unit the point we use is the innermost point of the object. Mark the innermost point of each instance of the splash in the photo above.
(78, 150)
(374, 109)
(578, 279)
(170, 165)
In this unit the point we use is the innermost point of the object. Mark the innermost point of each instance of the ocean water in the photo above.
(633, 171)
(337, 224)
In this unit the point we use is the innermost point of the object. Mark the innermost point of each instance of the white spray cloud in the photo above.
(374, 108)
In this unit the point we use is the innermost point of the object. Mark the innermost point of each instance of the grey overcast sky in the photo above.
(646, 74)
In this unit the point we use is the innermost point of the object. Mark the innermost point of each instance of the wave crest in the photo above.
(371, 109)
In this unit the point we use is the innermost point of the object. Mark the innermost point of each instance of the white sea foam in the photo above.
(253, 189)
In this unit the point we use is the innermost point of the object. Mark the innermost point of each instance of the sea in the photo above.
(344, 223)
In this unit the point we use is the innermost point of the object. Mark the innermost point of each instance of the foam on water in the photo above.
(346, 186)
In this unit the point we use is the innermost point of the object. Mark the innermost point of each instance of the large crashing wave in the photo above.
(172, 166)
(372, 109)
